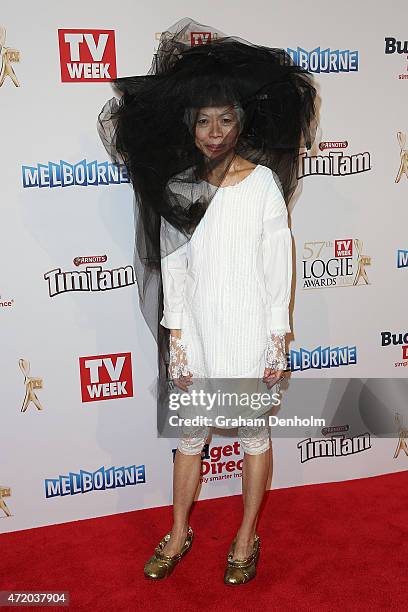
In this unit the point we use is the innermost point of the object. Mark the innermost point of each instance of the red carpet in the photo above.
(339, 546)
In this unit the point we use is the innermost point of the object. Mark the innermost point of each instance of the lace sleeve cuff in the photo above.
(178, 360)
(275, 351)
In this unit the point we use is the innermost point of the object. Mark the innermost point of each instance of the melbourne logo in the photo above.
(87, 55)
(8, 56)
(402, 258)
(336, 163)
(399, 339)
(403, 169)
(100, 480)
(106, 377)
(325, 60)
(322, 357)
(83, 174)
(334, 263)
(336, 446)
(393, 45)
(93, 278)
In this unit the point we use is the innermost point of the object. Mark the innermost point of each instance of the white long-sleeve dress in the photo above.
(228, 287)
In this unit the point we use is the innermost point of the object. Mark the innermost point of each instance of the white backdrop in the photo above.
(47, 330)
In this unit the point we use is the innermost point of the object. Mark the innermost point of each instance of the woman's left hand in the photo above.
(271, 376)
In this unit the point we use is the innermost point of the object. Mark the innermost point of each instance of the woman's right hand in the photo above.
(178, 368)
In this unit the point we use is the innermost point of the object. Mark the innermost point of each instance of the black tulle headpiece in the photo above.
(147, 130)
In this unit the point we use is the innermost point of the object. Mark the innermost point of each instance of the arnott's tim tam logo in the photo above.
(335, 446)
(90, 259)
(337, 144)
(92, 278)
(334, 163)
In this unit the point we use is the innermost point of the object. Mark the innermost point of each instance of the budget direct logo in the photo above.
(325, 60)
(87, 55)
(223, 462)
(400, 47)
(322, 357)
(100, 480)
(334, 263)
(397, 339)
(106, 377)
(82, 174)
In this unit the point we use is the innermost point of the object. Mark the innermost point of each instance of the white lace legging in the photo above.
(253, 440)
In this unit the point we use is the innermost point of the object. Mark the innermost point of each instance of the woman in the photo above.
(211, 145)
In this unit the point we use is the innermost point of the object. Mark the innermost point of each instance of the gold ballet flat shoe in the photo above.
(239, 571)
(160, 565)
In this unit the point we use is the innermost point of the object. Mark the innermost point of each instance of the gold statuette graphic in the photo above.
(362, 261)
(403, 436)
(31, 384)
(403, 169)
(4, 492)
(7, 56)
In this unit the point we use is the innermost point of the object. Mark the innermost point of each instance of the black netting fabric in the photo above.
(178, 152)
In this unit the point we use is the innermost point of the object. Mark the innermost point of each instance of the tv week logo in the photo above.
(87, 55)
(200, 38)
(106, 377)
(343, 248)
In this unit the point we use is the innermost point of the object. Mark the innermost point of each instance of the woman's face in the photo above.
(216, 130)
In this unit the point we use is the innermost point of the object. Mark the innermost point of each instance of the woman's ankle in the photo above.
(179, 528)
(246, 535)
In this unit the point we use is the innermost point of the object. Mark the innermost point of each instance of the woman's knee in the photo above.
(192, 441)
(254, 440)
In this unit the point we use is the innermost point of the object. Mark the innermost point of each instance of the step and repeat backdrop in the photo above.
(78, 362)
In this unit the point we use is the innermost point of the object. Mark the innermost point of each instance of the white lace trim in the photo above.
(178, 360)
(275, 356)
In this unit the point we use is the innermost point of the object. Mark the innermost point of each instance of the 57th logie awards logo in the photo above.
(193, 38)
(334, 263)
(7, 57)
(4, 492)
(403, 437)
(31, 385)
(403, 169)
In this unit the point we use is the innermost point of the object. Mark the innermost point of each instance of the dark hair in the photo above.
(191, 113)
